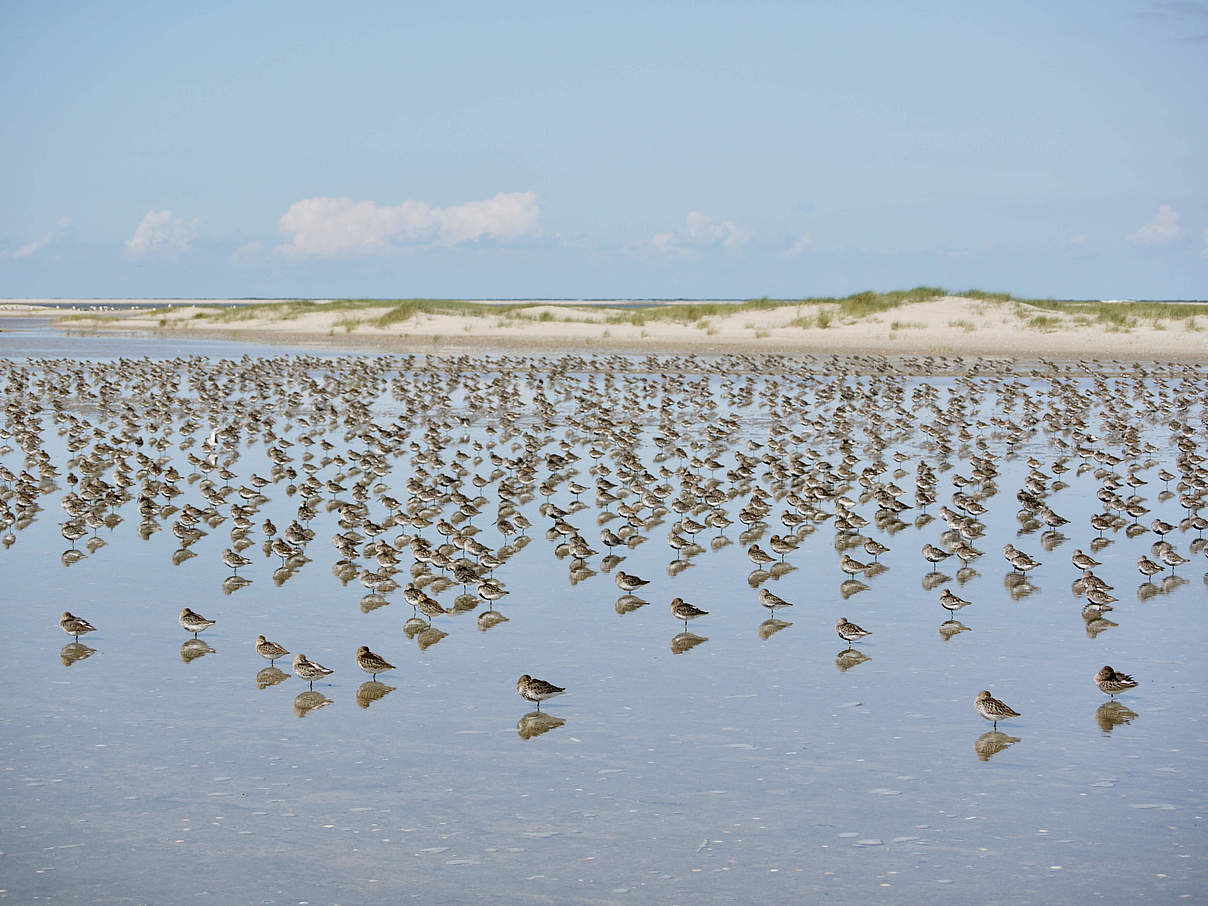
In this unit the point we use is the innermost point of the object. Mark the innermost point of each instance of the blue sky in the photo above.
(697, 150)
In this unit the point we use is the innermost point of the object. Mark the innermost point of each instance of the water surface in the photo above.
(732, 760)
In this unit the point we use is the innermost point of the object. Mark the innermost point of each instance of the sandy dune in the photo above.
(946, 325)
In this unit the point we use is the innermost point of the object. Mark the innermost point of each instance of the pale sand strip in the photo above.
(949, 325)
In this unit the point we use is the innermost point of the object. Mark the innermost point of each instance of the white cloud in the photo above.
(32, 248)
(804, 243)
(334, 227)
(1163, 228)
(160, 231)
(698, 232)
(248, 253)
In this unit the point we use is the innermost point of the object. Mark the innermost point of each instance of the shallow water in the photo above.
(740, 761)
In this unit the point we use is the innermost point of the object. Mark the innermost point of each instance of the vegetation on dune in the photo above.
(815, 312)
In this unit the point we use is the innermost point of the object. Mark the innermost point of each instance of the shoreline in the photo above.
(939, 326)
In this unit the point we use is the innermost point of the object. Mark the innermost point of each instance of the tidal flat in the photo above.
(744, 754)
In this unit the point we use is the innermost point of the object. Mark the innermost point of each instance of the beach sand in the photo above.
(947, 325)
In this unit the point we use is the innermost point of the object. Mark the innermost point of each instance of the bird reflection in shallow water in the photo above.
(609, 562)
(71, 556)
(372, 691)
(966, 574)
(489, 619)
(850, 657)
(414, 626)
(270, 676)
(310, 701)
(629, 603)
(675, 567)
(686, 641)
(851, 587)
(75, 651)
(1050, 541)
(771, 626)
(875, 569)
(1147, 590)
(949, 628)
(757, 577)
(1112, 714)
(193, 649)
(934, 580)
(1022, 589)
(992, 742)
(537, 722)
(180, 555)
(1170, 583)
(1097, 624)
(372, 602)
(232, 584)
(429, 637)
(464, 603)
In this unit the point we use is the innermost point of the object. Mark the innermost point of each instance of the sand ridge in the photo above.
(945, 325)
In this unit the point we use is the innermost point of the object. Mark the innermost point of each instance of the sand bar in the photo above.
(943, 325)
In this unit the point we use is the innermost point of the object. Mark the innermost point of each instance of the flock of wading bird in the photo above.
(421, 459)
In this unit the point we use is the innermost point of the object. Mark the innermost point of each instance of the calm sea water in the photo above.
(735, 760)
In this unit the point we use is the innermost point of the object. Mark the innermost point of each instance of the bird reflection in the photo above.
(537, 722)
(75, 651)
(850, 657)
(310, 701)
(933, 580)
(1170, 583)
(874, 569)
(629, 603)
(180, 555)
(771, 626)
(270, 676)
(414, 626)
(1050, 541)
(851, 587)
(193, 649)
(686, 641)
(757, 577)
(489, 619)
(71, 556)
(1096, 625)
(429, 637)
(580, 573)
(1147, 590)
(607, 564)
(992, 742)
(464, 603)
(1021, 589)
(372, 602)
(232, 584)
(949, 628)
(1112, 714)
(372, 691)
